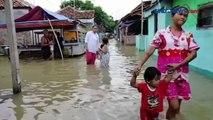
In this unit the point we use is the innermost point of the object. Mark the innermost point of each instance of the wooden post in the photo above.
(57, 41)
(13, 46)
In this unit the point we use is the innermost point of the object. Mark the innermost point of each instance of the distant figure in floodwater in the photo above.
(56, 47)
(51, 42)
(45, 45)
(104, 53)
(92, 45)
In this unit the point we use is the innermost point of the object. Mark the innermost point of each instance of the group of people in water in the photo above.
(96, 51)
(176, 48)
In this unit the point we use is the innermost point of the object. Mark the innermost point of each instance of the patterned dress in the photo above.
(174, 49)
(104, 58)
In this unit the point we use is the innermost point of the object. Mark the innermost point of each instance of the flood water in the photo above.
(71, 90)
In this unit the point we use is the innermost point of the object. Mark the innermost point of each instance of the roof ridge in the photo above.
(70, 7)
(18, 3)
(27, 3)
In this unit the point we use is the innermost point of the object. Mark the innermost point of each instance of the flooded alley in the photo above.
(71, 90)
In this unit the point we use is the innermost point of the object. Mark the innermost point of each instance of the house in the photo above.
(129, 26)
(74, 36)
(20, 7)
(154, 21)
(200, 24)
(85, 16)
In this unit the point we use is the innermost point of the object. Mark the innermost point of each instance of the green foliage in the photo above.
(77, 3)
(102, 19)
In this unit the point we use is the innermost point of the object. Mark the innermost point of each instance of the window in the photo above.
(205, 16)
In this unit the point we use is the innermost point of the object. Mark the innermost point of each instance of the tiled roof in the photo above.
(70, 12)
(17, 4)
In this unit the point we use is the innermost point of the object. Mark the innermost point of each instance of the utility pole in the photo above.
(141, 17)
(13, 46)
(74, 10)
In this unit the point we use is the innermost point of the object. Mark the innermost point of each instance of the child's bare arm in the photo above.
(133, 81)
(104, 49)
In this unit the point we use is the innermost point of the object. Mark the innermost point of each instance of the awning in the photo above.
(128, 23)
(39, 18)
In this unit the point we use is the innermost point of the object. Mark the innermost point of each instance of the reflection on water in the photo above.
(18, 109)
(71, 90)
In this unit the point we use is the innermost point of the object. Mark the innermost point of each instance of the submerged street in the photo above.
(71, 90)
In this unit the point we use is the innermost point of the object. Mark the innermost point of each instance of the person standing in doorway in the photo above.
(92, 45)
(56, 46)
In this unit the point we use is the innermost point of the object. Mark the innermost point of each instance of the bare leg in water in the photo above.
(174, 109)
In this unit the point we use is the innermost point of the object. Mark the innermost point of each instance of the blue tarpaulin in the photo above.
(128, 23)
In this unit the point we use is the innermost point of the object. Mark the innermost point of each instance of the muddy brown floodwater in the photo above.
(71, 90)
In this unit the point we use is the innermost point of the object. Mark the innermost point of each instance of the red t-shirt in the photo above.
(153, 100)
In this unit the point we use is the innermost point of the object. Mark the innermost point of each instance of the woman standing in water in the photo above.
(45, 45)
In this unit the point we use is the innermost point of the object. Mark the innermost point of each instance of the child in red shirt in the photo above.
(153, 92)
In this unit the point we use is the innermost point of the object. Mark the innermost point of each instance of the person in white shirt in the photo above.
(92, 45)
